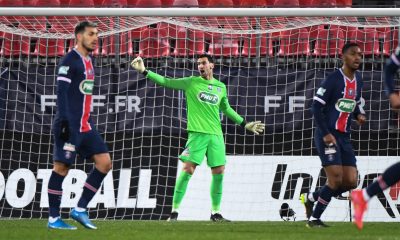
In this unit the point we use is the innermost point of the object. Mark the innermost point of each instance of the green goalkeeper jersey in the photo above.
(204, 99)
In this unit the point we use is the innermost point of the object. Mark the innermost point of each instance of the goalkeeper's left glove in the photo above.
(138, 65)
(256, 127)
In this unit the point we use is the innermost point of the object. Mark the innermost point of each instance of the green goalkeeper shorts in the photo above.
(203, 144)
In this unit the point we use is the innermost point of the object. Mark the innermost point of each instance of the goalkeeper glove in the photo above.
(64, 134)
(256, 127)
(138, 65)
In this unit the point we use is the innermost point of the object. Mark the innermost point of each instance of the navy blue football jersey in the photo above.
(391, 68)
(340, 97)
(77, 71)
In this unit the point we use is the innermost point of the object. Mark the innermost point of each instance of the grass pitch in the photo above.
(118, 230)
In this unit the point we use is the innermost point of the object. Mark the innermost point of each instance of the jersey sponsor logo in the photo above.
(345, 105)
(63, 70)
(208, 98)
(186, 152)
(86, 87)
(321, 91)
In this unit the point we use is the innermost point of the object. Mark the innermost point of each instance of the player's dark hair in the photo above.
(80, 27)
(348, 45)
(209, 57)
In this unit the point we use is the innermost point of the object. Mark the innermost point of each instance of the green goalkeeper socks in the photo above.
(216, 192)
(180, 189)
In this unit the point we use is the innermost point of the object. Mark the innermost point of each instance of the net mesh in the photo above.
(271, 66)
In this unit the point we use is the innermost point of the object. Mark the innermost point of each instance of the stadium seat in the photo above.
(46, 47)
(109, 48)
(81, 3)
(328, 42)
(220, 3)
(390, 42)
(250, 45)
(185, 3)
(189, 43)
(15, 45)
(11, 3)
(255, 3)
(110, 3)
(64, 3)
(148, 3)
(37, 23)
(286, 3)
(167, 3)
(224, 45)
(344, 3)
(131, 3)
(294, 42)
(154, 43)
(367, 39)
(46, 3)
(62, 24)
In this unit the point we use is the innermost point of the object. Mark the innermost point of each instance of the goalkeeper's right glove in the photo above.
(256, 127)
(138, 65)
(64, 133)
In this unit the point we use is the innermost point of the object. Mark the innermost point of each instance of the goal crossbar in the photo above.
(188, 12)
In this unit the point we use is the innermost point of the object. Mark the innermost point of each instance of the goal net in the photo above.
(271, 66)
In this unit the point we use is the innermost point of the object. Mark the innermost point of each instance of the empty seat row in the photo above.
(161, 41)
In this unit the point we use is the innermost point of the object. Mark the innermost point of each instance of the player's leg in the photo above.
(192, 156)
(216, 160)
(63, 155)
(94, 148)
(180, 188)
(360, 198)
(334, 175)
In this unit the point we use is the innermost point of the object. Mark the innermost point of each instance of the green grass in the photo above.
(36, 229)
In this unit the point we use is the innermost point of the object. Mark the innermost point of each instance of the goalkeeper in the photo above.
(205, 98)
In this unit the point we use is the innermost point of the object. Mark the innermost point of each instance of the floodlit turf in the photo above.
(36, 229)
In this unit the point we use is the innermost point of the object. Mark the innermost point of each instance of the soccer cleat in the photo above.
(173, 217)
(60, 224)
(307, 204)
(218, 218)
(360, 206)
(316, 224)
(82, 218)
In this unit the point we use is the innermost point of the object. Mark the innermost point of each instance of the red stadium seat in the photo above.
(110, 3)
(189, 43)
(109, 47)
(167, 3)
(154, 43)
(367, 39)
(224, 45)
(131, 3)
(11, 3)
(254, 3)
(64, 3)
(33, 23)
(15, 45)
(81, 3)
(286, 3)
(148, 3)
(390, 42)
(329, 42)
(344, 3)
(219, 3)
(185, 3)
(46, 3)
(62, 24)
(50, 47)
(250, 45)
(294, 42)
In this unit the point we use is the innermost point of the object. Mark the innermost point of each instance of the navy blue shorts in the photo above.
(344, 150)
(86, 145)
